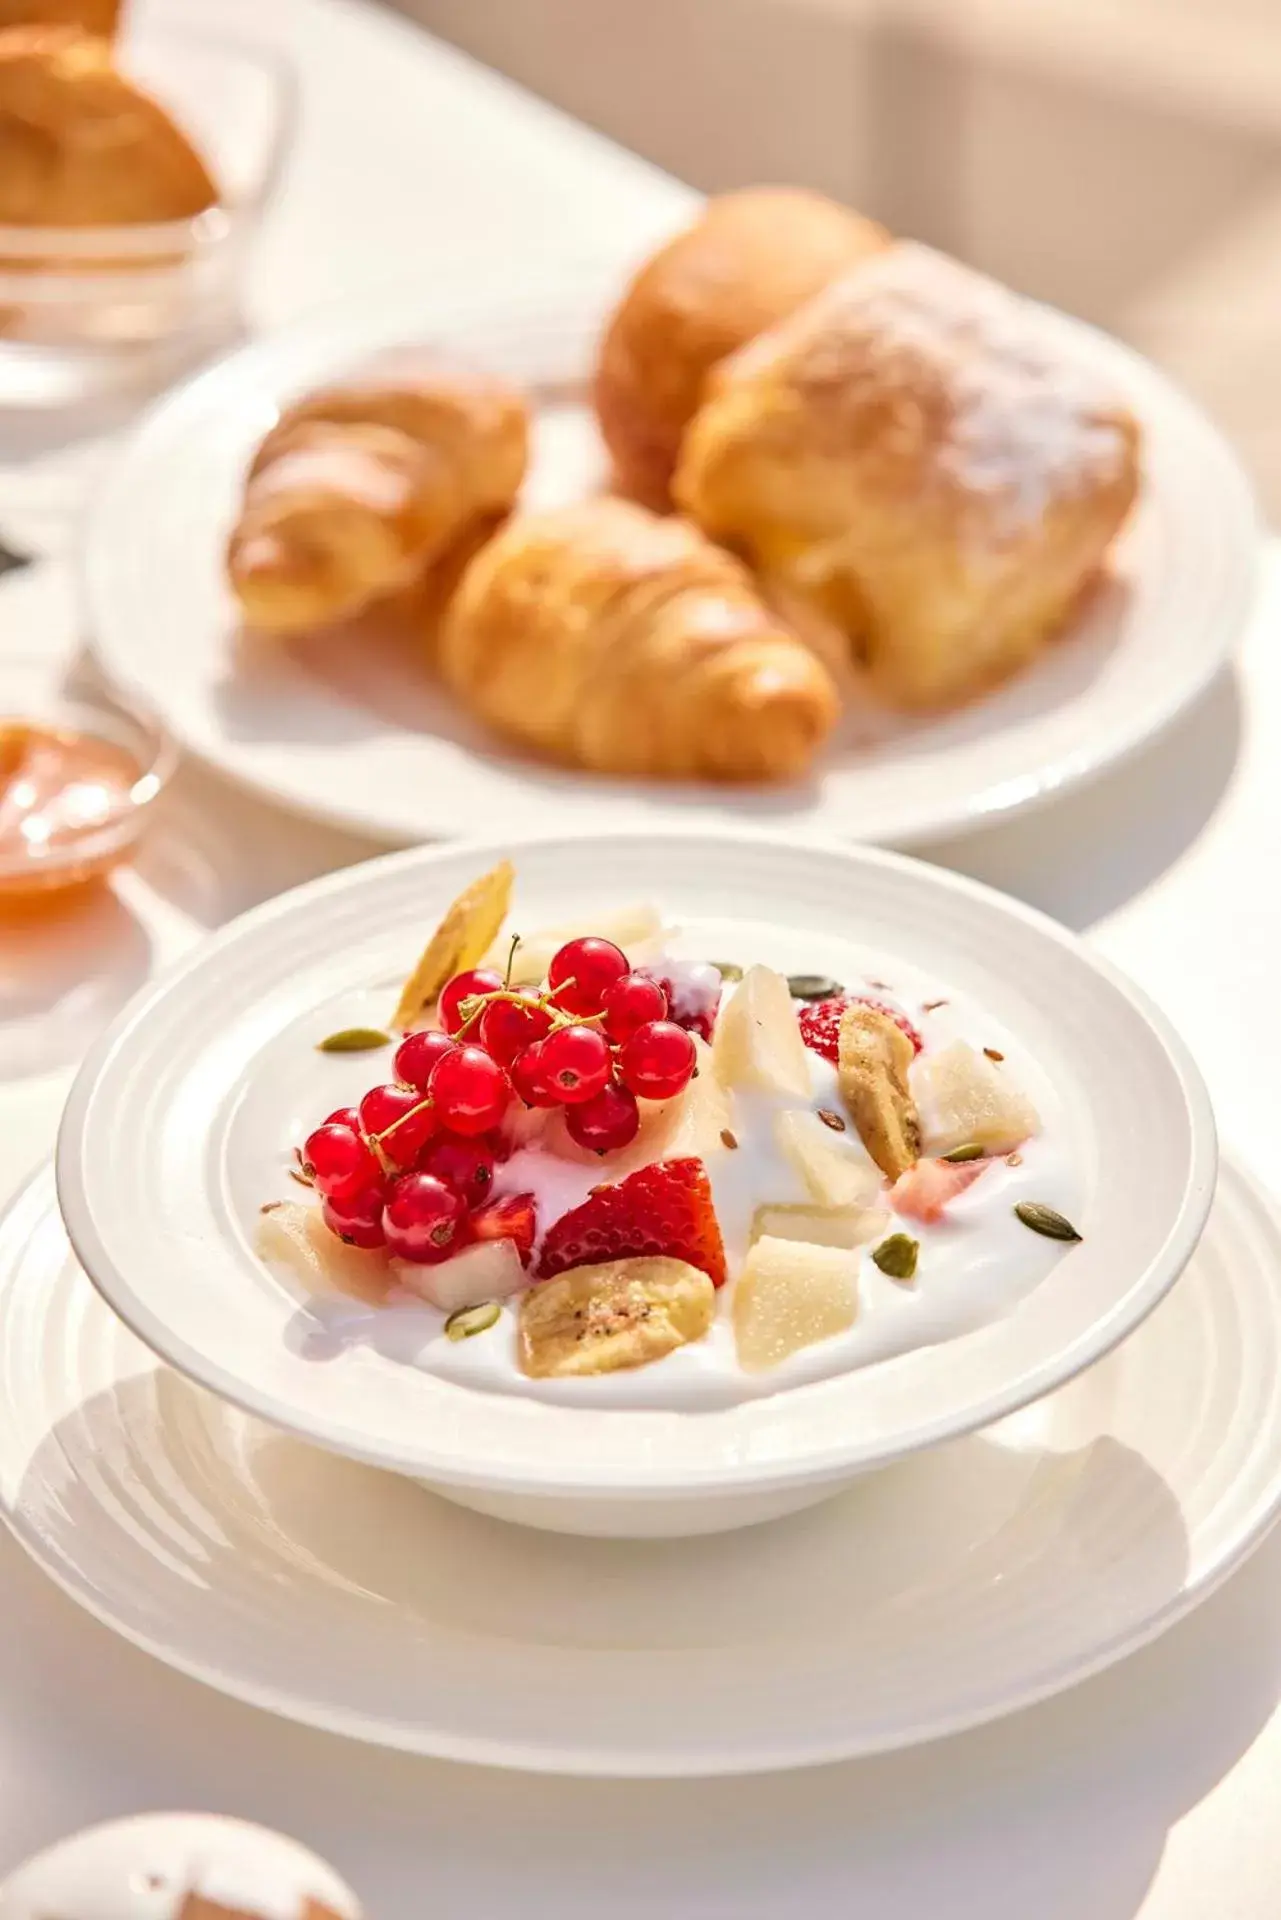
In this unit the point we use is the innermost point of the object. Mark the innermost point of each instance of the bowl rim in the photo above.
(835, 1463)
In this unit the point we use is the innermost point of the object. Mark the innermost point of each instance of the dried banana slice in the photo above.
(875, 1055)
(462, 938)
(621, 1313)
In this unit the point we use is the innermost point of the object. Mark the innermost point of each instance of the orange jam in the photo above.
(66, 800)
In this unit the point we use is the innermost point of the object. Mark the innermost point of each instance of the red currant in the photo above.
(471, 1090)
(344, 1117)
(658, 1061)
(362, 1227)
(340, 1161)
(403, 1120)
(477, 981)
(465, 1165)
(507, 1027)
(582, 973)
(609, 1120)
(632, 1002)
(418, 1054)
(422, 1219)
(574, 1062)
(528, 1077)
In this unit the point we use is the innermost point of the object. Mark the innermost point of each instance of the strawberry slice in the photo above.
(510, 1216)
(820, 1022)
(664, 1208)
(926, 1190)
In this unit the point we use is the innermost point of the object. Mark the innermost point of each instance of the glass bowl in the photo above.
(79, 710)
(87, 308)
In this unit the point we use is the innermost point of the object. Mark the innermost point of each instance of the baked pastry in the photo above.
(609, 638)
(918, 466)
(82, 146)
(750, 259)
(92, 16)
(362, 486)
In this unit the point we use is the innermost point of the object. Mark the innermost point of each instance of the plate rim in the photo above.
(654, 1764)
(578, 292)
(1034, 1382)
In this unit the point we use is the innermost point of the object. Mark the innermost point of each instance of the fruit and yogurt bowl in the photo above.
(663, 1224)
(600, 1167)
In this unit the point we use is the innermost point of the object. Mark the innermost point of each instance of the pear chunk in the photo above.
(790, 1295)
(295, 1236)
(619, 1313)
(821, 1226)
(489, 1270)
(835, 1166)
(757, 1044)
(966, 1099)
(875, 1055)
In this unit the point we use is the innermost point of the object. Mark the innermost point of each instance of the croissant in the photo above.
(80, 145)
(360, 487)
(748, 260)
(915, 462)
(92, 16)
(609, 638)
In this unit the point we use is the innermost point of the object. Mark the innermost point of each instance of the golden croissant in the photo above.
(92, 16)
(80, 145)
(749, 259)
(361, 487)
(609, 638)
(916, 463)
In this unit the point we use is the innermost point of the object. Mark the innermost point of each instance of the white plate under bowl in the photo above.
(219, 1056)
(362, 739)
(955, 1587)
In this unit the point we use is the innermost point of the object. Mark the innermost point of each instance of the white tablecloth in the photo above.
(1151, 1791)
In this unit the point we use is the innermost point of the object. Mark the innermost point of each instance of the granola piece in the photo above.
(874, 1058)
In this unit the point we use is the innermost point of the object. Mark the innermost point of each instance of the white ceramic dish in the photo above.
(950, 1589)
(366, 742)
(163, 1140)
(140, 1869)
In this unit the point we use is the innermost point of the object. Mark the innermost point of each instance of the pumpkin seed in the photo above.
(471, 1320)
(897, 1256)
(970, 1151)
(1045, 1220)
(813, 986)
(728, 969)
(355, 1040)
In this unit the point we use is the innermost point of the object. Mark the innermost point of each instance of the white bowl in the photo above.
(167, 1147)
(140, 1869)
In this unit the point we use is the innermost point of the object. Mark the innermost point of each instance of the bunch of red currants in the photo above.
(411, 1168)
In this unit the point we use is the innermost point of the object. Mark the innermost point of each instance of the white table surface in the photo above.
(1152, 1790)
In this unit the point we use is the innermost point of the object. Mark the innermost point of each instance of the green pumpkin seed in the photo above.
(471, 1320)
(897, 1256)
(355, 1040)
(729, 970)
(813, 986)
(970, 1151)
(1046, 1221)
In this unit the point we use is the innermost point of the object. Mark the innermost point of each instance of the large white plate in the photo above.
(943, 1592)
(363, 740)
(208, 1076)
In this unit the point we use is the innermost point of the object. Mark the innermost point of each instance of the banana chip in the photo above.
(622, 1313)
(463, 937)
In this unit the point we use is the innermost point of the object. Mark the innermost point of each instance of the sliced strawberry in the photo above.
(926, 1190)
(820, 1022)
(511, 1216)
(665, 1208)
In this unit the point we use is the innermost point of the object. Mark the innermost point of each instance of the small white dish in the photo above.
(183, 1113)
(956, 1587)
(366, 742)
(140, 1869)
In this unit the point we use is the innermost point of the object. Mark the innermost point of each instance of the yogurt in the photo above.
(974, 1266)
